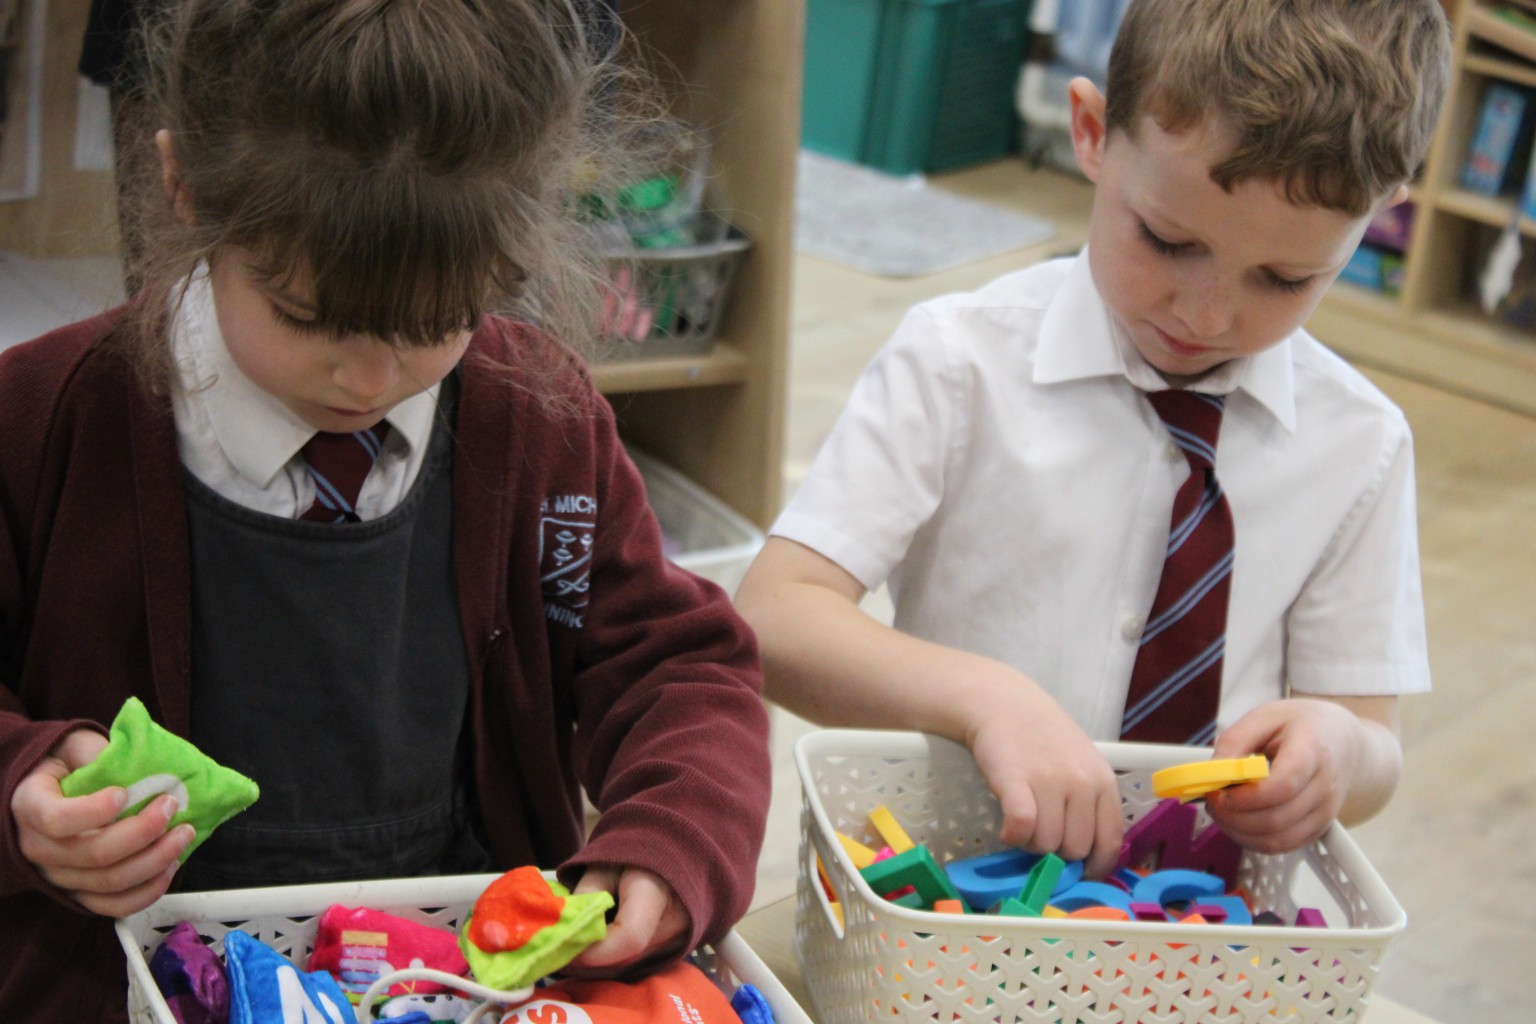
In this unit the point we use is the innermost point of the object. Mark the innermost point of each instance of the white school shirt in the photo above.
(244, 444)
(999, 466)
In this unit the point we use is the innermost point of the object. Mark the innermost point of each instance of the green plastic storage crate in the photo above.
(912, 85)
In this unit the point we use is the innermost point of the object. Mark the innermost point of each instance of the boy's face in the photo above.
(1196, 275)
(334, 384)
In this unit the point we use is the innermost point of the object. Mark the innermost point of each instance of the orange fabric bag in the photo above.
(681, 994)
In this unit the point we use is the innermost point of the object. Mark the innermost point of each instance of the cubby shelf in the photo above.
(1433, 330)
(737, 70)
(725, 365)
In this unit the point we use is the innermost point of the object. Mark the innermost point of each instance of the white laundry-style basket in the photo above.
(883, 962)
(286, 918)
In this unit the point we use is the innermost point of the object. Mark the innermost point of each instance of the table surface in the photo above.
(771, 934)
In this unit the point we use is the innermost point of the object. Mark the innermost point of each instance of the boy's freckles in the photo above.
(1197, 275)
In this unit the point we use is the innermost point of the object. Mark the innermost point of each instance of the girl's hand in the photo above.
(650, 924)
(1313, 748)
(1058, 794)
(110, 868)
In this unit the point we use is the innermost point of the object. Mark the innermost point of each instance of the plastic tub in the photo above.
(909, 86)
(701, 533)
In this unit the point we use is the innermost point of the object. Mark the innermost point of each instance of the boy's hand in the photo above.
(1327, 758)
(825, 659)
(650, 921)
(1058, 794)
(110, 868)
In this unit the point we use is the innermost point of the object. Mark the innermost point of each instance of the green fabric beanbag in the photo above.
(549, 946)
(148, 760)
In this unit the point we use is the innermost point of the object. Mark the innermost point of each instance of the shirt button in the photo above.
(1131, 627)
(1173, 452)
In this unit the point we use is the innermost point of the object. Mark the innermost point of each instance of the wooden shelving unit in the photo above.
(737, 69)
(720, 418)
(1434, 330)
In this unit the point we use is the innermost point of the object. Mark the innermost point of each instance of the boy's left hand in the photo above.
(1320, 753)
(650, 922)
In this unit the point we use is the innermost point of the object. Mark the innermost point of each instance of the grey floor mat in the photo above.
(898, 227)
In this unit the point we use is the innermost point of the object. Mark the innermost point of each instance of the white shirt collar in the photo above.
(1079, 339)
(257, 432)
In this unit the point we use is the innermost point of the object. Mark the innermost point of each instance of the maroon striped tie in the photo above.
(338, 464)
(1176, 684)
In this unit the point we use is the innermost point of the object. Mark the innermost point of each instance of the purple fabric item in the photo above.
(190, 977)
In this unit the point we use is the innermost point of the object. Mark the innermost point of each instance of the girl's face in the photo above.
(1194, 274)
(339, 384)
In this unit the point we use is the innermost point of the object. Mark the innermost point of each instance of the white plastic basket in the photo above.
(286, 918)
(704, 535)
(887, 963)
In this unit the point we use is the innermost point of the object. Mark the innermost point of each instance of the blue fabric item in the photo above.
(264, 988)
(752, 1006)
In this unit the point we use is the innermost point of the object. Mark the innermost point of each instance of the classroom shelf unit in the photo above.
(1434, 330)
(734, 69)
(720, 417)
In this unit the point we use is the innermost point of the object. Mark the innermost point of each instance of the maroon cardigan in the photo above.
(649, 696)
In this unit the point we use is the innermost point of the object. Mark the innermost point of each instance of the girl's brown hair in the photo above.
(1335, 99)
(417, 161)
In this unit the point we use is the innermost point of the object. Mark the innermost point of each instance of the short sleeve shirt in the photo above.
(999, 465)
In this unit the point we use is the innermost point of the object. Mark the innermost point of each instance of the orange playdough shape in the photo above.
(512, 909)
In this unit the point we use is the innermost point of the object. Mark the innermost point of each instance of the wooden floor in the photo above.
(1458, 844)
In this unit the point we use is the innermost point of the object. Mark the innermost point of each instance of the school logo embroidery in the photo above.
(565, 556)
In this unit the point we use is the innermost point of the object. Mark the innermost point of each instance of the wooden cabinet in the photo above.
(737, 67)
(1434, 329)
(720, 417)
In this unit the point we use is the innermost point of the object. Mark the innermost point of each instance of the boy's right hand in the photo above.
(109, 867)
(1057, 792)
(826, 660)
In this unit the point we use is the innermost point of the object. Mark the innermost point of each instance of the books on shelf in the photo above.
(1518, 12)
(1392, 227)
(1528, 193)
(1497, 159)
(1503, 26)
(1380, 270)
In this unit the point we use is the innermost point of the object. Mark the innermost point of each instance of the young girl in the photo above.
(422, 677)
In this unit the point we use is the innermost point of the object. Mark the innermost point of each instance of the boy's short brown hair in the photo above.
(1335, 99)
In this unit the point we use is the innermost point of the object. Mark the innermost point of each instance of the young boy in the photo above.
(1002, 465)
